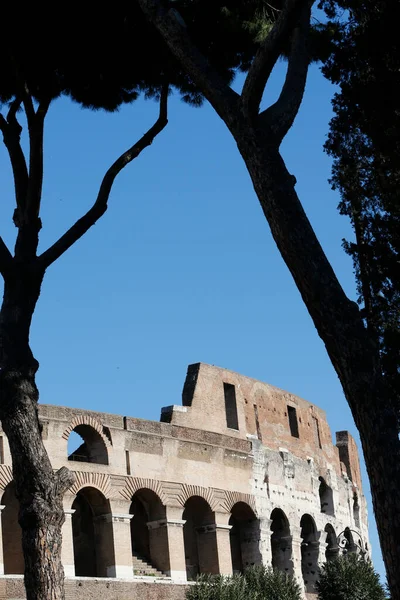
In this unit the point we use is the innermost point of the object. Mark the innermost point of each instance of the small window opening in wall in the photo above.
(230, 406)
(1, 450)
(128, 462)
(317, 434)
(294, 428)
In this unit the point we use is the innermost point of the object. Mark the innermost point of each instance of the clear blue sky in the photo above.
(182, 268)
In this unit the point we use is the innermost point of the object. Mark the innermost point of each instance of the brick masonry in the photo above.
(241, 473)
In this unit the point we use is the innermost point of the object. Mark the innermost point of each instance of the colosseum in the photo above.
(241, 473)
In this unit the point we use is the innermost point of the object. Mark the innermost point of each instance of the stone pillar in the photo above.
(167, 544)
(223, 544)
(322, 546)
(67, 550)
(121, 527)
(2, 507)
(265, 542)
(296, 555)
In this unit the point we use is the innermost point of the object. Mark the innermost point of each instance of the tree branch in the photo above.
(101, 203)
(220, 95)
(267, 55)
(11, 130)
(36, 134)
(6, 259)
(280, 116)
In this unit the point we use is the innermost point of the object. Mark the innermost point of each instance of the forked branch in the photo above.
(267, 56)
(101, 203)
(279, 117)
(11, 131)
(215, 89)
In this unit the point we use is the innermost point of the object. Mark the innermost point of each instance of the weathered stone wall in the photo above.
(241, 473)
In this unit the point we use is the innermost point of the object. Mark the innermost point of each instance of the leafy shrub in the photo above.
(257, 583)
(349, 577)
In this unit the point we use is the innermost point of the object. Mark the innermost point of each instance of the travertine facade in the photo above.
(242, 473)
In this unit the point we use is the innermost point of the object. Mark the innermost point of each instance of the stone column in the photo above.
(265, 542)
(67, 550)
(167, 544)
(223, 544)
(322, 546)
(296, 555)
(121, 527)
(2, 507)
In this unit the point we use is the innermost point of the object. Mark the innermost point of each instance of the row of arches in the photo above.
(94, 548)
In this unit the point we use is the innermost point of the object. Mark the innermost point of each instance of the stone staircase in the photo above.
(142, 568)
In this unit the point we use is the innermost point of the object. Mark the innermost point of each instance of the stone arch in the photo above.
(309, 552)
(95, 443)
(6, 476)
(134, 484)
(199, 536)
(149, 538)
(90, 422)
(332, 548)
(207, 494)
(281, 542)
(99, 481)
(232, 498)
(326, 498)
(92, 532)
(11, 532)
(244, 537)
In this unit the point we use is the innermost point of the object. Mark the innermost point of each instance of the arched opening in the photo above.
(281, 542)
(349, 545)
(85, 444)
(149, 539)
(244, 537)
(309, 553)
(11, 533)
(199, 537)
(356, 510)
(332, 548)
(326, 498)
(92, 535)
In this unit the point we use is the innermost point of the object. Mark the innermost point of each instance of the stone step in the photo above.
(142, 567)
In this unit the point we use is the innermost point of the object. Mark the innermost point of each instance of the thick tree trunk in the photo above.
(39, 490)
(352, 350)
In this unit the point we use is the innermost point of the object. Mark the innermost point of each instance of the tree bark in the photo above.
(38, 489)
(352, 350)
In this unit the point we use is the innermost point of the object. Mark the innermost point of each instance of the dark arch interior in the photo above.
(244, 537)
(89, 446)
(149, 540)
(281, 542)
(326, 497)
(11, 533)
(92, 536)
(309, 553)
(332, 548)
(199, 538)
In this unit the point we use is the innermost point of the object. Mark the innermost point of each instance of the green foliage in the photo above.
(364, 141)
(257, 583)
(349, 577)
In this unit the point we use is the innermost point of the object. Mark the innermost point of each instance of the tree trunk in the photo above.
(353, 352)
(38, 489)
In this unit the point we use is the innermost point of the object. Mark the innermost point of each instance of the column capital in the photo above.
(166, 523)
(114, 518)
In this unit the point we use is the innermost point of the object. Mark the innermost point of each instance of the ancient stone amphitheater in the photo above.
(241, 473)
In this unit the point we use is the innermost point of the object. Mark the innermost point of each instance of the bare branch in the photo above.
(36, 133)
(11, 130)
(280, 116)
(101, 203)
(215, 89)
(6, 259)
(267, 55)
